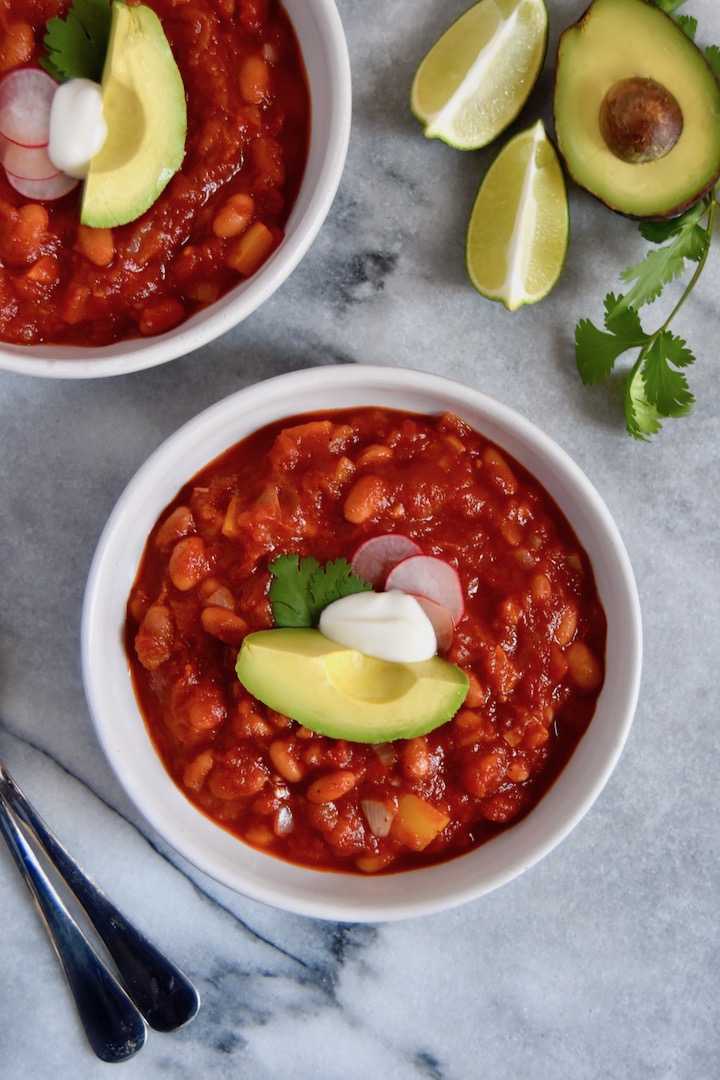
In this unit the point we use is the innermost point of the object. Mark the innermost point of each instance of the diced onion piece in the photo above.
(374, 559)
(385, 752)
(25, 100)
(379, 816)
(284, 822)
(426, 575)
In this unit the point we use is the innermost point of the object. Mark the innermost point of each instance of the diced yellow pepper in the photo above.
(417, 822)
(251, 249)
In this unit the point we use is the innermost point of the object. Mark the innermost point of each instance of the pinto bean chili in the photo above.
(216, 222)
(532, 640)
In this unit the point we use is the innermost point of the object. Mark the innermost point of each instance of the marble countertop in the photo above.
(601, 961)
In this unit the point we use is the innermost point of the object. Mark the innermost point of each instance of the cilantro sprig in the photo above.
(656, 386)
(77, 45)
(301, 588)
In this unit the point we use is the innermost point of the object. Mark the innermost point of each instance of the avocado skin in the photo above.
(345, 694)
(618, 39)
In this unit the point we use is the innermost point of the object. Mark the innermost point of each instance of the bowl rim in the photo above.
(328, 895)
(331, 114)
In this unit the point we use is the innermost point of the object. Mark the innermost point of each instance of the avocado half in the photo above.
(346, 694)
(146, 115)
(615, 42)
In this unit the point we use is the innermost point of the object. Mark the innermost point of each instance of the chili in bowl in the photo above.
(237, 726)
(266, 89)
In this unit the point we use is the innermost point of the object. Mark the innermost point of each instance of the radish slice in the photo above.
(441, 621)
(43, 190)
(426, 575)
(25, 99)
(376, 557)
(27, 162)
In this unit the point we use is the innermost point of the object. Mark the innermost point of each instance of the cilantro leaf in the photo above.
(688, 23)
(290, 589)
(658, 232)
(301, 588)
(668, 6)
(337, 580)
(665, 387)
(595, 351)
(77, 45)
(654, 390)
(662, 265)
(642, 418)
(712, 55)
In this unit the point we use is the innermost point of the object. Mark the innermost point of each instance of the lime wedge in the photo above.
(479, 74)
(519, 227)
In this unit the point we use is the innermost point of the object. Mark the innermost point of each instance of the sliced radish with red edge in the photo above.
(374, 559)
(25, 100)
(43, 190)
(441, 621)
(27, 162)
(426, 575)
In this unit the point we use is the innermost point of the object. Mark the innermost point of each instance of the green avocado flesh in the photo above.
(618, 40)
(345, 694)
(146, 116)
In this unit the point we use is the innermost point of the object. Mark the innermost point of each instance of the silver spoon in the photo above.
(160, 990)
(114, 1027)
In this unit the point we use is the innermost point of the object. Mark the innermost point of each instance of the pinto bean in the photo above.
(223, 624)
(566, 627)
(284, 758)
(97, 245)
(415, 759)
(154, 639)
(188, 563)
(254, 80)
(331, 786)
(234, 216)
(176, 525)
(583, 666)
(365, 500)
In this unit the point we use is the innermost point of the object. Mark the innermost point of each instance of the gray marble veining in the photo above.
(602, 961)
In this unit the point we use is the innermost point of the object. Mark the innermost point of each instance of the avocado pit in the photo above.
(640, 120)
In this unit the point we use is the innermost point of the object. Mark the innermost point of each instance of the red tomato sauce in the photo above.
(219, 218)
(532, 641)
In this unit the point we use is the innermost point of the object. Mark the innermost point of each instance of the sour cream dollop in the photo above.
(387, 625)
(77, 126)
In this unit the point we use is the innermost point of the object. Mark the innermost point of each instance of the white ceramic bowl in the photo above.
(120, 726)
(324, 49)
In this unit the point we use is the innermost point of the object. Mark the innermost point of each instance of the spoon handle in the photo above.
(114, 1027)
(162, 992)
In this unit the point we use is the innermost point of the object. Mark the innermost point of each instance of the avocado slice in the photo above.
(624, 58)
(345, 694)
(146, 116)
